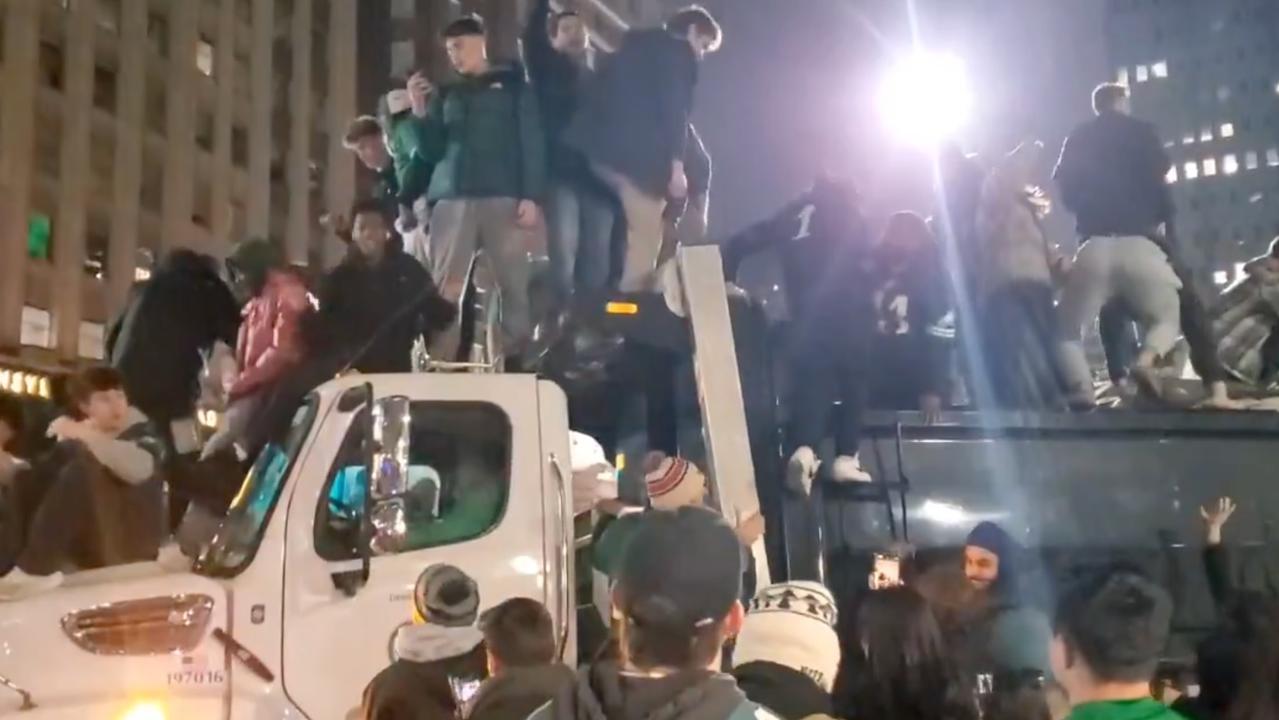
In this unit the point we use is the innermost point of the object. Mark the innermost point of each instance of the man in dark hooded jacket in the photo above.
(677, 594)
(377, 302)
(157, 341)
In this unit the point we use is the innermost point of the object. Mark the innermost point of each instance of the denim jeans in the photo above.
(580, 222)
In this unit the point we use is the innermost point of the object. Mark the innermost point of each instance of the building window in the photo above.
(158, 32)
(403, 9)
(92, 341)
(204, 56)
(204, 129)
(1188, 139)
(109, 15)
(1159, 69)
(1143, 73)
(1223, 93)
(1227, 130)
(39, 236)
(1210, 167)
(403, 56)
(1220, 277)
(1191, 170)
(104, 88)
(1205, 135)
(239, 145)
(1250, 160)
(51, 64)
(1272, 157)
(96, 248)
(1122, 76)
(1230, 164)
(37, 327)
(1171, 177)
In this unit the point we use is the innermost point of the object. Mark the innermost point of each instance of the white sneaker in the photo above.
(849, 469)
(17, 584)
(801, 471)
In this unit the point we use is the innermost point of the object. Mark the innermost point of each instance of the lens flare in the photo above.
(926, 98)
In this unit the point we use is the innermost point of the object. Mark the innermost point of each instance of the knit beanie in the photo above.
(673, 482)
(792, 624)
(446, 596)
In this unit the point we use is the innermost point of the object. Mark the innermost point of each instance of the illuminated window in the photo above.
(1160, 69)
(37, 327)
(1250, 160)
(1171, 177)
(1227, 130)
(204, 57)
(1210, 167)
(1122, 76)
(92, 340)
(1143, 73)
(1277, 88)
(1220, 277)
(1230, 164)
(1191, 170)
(1272, 157)
(1188, 139)
(1223, 93)
(1206, 134)
(1239, 271)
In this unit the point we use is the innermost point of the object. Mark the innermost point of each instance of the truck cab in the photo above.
(295, 605)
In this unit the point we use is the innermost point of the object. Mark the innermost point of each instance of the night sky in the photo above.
(795, 79)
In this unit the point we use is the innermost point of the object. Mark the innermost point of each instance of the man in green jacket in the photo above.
(1112, 624)
(482, 134)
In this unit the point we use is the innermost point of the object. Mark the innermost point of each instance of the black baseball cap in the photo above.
(682, 570)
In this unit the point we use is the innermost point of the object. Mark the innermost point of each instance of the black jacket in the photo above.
(517, 692)
(156, 341)
(915, 333)
(408, 690)
(371, 315)
(1111, 174)
(558, 82)
(602, 692)
(824, 247)
(634, 115)
(789, 693)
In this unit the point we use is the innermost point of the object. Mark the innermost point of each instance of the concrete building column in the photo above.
(298, 177)
(127, 180)
(223, 119)
(258, 214)
(74, 173)
(21, 68)
(339, 190)
(179, 128)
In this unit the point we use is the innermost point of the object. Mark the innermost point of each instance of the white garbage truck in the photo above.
(293, 607)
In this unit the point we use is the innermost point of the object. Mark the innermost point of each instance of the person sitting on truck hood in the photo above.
(676, 602)
(787, 655)
(519, 637)
(673, 483)
(440, 658)
(95, 500)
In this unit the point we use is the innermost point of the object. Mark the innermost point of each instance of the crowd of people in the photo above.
(596, 158)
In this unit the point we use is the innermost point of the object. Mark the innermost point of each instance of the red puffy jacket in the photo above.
(270, 341)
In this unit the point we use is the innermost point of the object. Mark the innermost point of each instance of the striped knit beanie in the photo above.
(673, 482)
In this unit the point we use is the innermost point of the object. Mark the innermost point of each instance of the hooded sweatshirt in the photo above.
(417, 685)
(786, 691)
(603, 692)
(1006, 633)
(518, 692)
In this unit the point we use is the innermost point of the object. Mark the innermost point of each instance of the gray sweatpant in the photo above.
(459, 229)
(1132, 268)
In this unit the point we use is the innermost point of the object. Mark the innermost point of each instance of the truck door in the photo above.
(477, 500)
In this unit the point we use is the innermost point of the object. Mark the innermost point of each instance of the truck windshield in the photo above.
(237, 540)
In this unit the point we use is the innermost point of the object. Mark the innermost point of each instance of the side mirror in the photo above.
(387, 514)
(359, 400)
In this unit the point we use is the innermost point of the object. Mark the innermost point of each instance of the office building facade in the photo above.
(133, 127)
(1207, 75)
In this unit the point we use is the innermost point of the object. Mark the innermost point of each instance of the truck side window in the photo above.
(459, 479)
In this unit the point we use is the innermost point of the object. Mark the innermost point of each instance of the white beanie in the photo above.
(673, 482)
(594, 478)
(792, 624)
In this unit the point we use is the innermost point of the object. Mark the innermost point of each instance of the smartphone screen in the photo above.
(886, 573)
(463, 688)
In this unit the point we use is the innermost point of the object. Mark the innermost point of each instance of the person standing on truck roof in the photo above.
(524, 674)
(440, 659)
(676, 597)
(376, 302)
(366, 138)
(95, 500)
(482, 134)
(632, 126)
(580, 209)
(1112, 176)
(1111, 626)
(825, 250)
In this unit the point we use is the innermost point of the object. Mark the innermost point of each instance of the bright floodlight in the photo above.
(926, 98)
